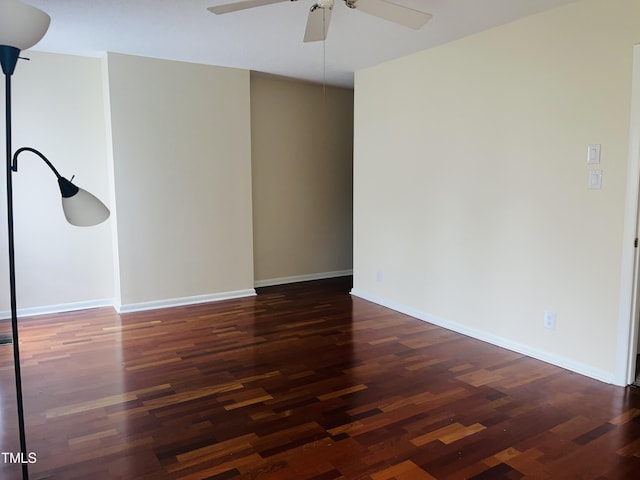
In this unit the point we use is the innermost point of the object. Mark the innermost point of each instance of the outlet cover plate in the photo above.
(550, 320)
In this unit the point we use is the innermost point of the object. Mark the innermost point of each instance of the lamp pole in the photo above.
(9, 58)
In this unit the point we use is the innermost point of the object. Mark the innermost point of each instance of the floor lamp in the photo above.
(21, 27)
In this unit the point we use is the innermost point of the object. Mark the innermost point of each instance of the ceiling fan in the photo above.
(320, 13)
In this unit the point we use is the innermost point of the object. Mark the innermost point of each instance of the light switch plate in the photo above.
(595, 179)
(593, 154)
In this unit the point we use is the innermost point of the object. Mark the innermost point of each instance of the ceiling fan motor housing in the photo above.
(325, 4)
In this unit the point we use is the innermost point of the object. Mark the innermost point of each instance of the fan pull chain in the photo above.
(324, 55)
(324, 84)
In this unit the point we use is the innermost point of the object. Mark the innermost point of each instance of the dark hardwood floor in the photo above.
(302, 382)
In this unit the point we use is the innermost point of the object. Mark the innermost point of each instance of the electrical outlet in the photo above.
(550, 320)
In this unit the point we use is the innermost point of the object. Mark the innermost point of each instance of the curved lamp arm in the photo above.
(80, 207)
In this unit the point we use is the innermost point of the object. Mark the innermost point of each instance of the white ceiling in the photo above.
(268, 38)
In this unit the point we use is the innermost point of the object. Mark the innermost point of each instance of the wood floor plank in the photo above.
(301, 382)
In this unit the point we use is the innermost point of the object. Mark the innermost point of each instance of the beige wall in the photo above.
(471, 201)
(57, 109)
(302, 144)
(167, 145)
(182, 176)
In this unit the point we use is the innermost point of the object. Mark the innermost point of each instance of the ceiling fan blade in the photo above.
(233, 7)
(394, 13)
(317, 24)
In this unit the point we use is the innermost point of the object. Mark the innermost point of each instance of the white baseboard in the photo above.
(66, 307)
(563, 362)
(302, 278)
(177, 302)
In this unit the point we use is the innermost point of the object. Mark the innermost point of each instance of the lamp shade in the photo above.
(21, 25)
(83, 209)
